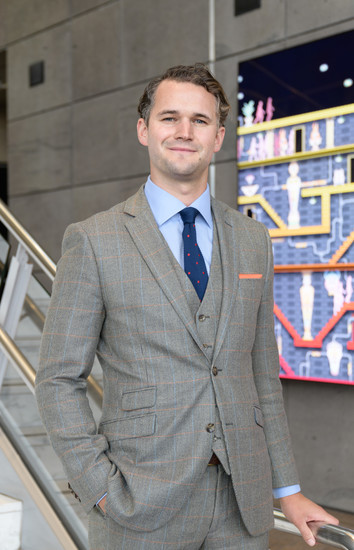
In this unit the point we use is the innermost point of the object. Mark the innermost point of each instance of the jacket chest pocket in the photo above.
(143, 398)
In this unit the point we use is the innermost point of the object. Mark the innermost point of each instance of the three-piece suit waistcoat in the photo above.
(207, 315)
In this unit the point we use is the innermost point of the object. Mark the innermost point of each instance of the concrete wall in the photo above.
(3, 142)
(72, 147)
(72, 143)
(3, 147)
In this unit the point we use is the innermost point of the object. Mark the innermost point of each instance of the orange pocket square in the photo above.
(250, 276)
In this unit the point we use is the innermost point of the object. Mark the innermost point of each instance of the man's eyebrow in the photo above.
(167, 112)
(175, 112)
(202, 115)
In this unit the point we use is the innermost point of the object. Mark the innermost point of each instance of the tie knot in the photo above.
(188, 214)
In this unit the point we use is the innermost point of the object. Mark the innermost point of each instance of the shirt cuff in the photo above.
(286, 491)
(97, 503)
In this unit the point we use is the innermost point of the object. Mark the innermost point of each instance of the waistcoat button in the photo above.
(210, 428)
(214, 370)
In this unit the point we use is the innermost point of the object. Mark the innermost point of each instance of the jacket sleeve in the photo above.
(265, 361)
(70, 337)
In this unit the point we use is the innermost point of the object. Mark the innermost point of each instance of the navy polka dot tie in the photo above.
(194, 264)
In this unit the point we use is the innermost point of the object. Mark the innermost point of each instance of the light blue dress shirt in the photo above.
(165, 208)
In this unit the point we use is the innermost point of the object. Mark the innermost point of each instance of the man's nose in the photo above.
(184, 130)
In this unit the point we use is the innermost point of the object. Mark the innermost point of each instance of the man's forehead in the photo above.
(171, 95)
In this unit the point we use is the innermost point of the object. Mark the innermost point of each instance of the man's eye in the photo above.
(200, 121)
(169, 119)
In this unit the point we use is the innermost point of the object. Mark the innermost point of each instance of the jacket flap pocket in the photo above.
(258, 416)
(143, 398)
(131, 427)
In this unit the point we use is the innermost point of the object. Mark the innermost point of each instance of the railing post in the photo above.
(13, 298)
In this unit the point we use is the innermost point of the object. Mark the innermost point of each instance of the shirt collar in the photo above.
(164, 205)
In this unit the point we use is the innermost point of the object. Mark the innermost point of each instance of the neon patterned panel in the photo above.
(296, 175)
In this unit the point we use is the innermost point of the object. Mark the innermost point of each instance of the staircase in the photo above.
(31, 473)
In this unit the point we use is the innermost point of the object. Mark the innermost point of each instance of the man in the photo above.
(193, 433)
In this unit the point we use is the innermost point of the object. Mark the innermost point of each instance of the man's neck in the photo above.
(186, 192)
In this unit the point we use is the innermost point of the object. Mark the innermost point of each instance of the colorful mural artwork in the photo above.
(296, 175)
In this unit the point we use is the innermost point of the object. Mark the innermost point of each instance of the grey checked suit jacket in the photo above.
(117, 293)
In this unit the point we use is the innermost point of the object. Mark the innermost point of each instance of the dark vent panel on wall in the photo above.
(243, 6)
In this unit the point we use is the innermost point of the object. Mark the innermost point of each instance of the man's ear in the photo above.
(142, 131)
(219, 139)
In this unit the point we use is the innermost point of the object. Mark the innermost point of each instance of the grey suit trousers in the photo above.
(210, 520)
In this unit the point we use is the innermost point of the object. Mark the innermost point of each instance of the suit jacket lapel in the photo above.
(145, 233)
(230, 261)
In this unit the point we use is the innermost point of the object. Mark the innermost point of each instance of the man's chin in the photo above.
(185, 172)
(185, 177)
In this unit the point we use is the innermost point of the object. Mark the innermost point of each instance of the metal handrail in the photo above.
(60, 516)
(32, 247)
(15, 355)
(49, 267)
(33, 311)
(335, 535)
(28, 373)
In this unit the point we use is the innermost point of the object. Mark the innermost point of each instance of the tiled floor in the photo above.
(284, 541)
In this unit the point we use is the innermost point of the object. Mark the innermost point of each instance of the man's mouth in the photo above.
(180, 149)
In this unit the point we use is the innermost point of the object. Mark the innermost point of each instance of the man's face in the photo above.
(182, 134)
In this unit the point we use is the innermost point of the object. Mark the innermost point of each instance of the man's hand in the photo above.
(301, 511)
(102, 504)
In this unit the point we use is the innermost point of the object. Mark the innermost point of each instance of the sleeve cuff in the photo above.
(286, 491)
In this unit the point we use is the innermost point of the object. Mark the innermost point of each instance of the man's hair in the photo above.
(197, 74)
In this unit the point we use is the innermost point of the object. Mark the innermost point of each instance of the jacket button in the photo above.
(214, 370)
(202, 318)
(210, 428)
